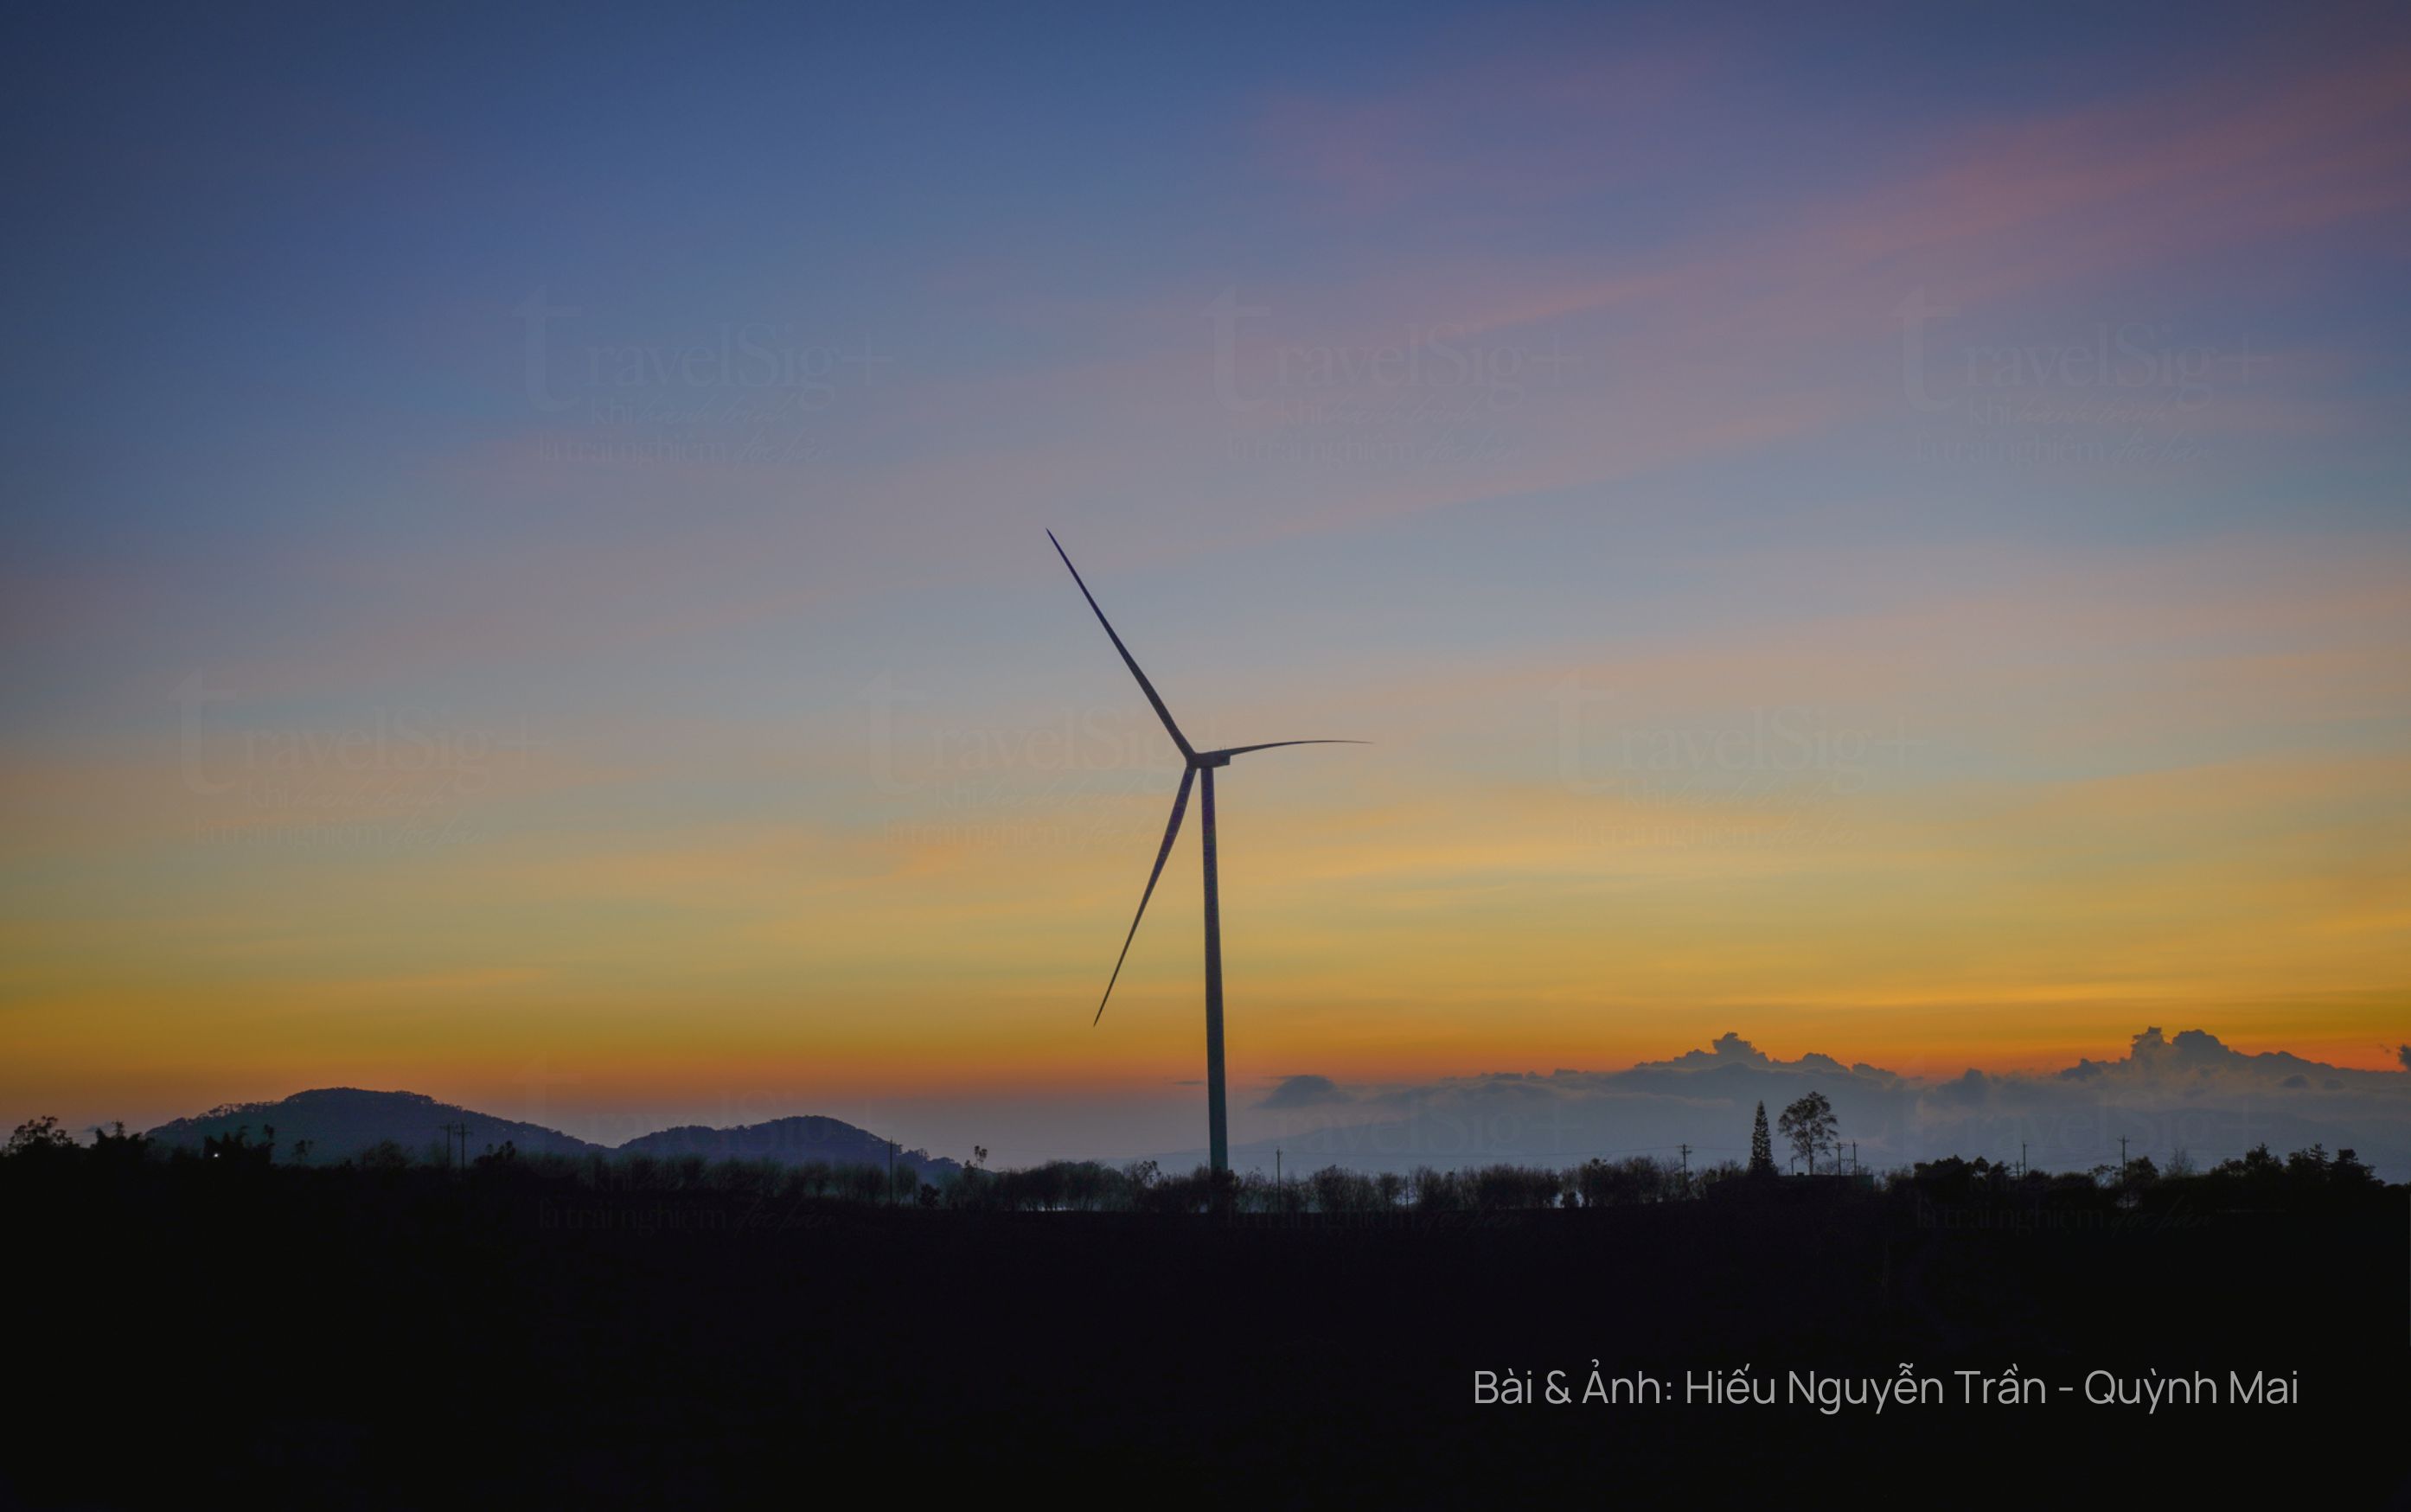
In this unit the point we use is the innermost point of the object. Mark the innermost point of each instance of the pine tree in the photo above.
(1762, 1146)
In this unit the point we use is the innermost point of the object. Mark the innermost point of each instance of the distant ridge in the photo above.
(340, 1122)
(790, 1140)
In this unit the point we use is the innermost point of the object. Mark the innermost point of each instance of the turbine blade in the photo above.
(1145, 687)
(1270, 745)
(1171, 832)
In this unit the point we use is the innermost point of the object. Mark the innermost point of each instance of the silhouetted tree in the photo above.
(1602, 1183)
(384, 1154)
(1723, 1171)
(1502, 1187)
(2348, 1171)
(1337, 1189)
(1809, 1126)
(1287, 1195)
(971, 1188)
(1439, 1191)
(114, 1145)
(867, 1183)
(2255, 1164)
(237, 1149)
(1192, 1193)
(39, 1136)
(1091, 1187)
(1762, 1146)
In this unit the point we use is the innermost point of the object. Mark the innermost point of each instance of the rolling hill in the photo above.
(790, 1140)
(340, 1122)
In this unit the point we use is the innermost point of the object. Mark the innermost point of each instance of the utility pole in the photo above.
(1687, 1167)
(2122, 1154)
(2021, 1159)
(1854, 1158)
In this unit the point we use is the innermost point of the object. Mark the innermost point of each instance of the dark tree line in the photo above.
(1095, 1186)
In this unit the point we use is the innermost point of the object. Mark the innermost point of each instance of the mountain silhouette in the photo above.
(339, 1123)
(790, 1140)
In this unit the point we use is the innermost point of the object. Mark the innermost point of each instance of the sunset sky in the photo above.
(524, 580)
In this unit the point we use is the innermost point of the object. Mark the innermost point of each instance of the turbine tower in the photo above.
(1200, 762)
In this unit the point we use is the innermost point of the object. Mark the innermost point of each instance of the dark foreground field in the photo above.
(273, 1336)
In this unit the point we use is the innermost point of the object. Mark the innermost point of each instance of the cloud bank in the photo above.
(1303, 1092)
(2187, 1091)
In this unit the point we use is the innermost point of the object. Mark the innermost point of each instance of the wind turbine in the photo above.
(1204, 762)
